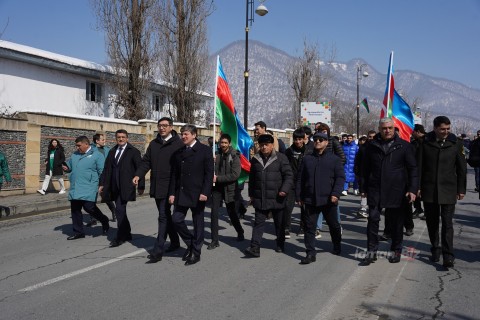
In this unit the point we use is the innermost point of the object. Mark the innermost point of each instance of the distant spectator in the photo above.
(4, 174)
(54, 161)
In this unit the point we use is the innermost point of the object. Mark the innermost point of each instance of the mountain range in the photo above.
(271, 98)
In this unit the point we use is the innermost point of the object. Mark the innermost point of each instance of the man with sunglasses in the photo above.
(319, 186)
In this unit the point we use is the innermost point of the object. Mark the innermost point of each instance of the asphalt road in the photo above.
(44, 276)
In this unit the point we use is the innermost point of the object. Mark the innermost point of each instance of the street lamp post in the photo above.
(359, 77)
(261, 11)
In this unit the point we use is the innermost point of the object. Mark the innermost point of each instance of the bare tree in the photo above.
(307, 78)
(184, 49)
(128, 26)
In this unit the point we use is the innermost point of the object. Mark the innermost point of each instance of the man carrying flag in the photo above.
(230, 123)
(396, 108)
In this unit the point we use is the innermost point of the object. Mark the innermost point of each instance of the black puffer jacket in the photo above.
(266, 181)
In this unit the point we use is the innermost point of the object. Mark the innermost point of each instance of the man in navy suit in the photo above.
(116, 182)
(190, 186)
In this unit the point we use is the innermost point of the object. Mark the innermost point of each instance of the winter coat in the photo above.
(320, 177)
(158, 159)
(474, 157)
(336, 148)
(58, 160)
(227, 170)
(295, 157)
(388, 175)
(192, 175)
(4, 171)
(443, 169)
(85, 170)
(350, 150)
(127, 166)
(266, 181)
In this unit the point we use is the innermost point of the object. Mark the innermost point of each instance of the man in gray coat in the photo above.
(443, 181)
(227, 172)
(271, 179)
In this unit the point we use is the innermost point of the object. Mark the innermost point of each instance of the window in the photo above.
(94, 91)
(157, 102)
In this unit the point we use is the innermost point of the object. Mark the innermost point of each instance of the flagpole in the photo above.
(389, 101)
(215, 106)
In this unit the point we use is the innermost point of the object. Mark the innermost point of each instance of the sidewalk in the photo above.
(37, 203)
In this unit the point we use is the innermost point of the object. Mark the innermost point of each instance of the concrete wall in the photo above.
(25, 140)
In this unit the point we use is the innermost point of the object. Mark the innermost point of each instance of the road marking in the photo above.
(76, 273)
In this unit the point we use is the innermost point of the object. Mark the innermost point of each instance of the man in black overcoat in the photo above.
(116, 183)
(389, 178)
(443, 181)
(190, 186)
(158, 159)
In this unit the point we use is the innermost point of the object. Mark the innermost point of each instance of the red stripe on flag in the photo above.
(223, 93)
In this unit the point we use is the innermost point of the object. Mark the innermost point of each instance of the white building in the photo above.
(42, 81)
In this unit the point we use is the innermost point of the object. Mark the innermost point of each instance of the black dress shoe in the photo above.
(337, 251)
(395, 258)
(105, 229)
(192, 260)
(369, 258)
(92, 222)
(409, 232)
(213, 245)
(308, 259)
(279, 249)
(448, 263)
(76, 236)
(172, 248)
(240, 237)
(116, 243)
(252, 252)
(187, 255)
(154, 258)
(435, 258)
(129, 237)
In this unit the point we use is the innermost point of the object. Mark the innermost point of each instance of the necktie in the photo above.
(118, 154)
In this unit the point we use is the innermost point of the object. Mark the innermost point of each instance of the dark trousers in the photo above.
(418, 204)
(396, 218)
(165, 227)
(287, 213)
(239, 198)
(193, 241)
(433, 212)
(217, 198)
(91, 208)
(407, 220)
(259, 227)
(309, 219)
(124, 231)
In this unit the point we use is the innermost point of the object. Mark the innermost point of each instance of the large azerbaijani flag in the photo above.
(230, 123)
(396, 108)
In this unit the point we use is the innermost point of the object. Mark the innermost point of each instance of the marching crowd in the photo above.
(388, 173)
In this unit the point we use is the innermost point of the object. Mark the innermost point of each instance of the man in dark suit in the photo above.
(190, 186)
(443, 181)
(158, 159)
(116, 182)
(389, 178)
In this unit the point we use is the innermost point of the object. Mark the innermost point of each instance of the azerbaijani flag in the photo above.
(396, 108)
(230, 123)
(365, 104)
